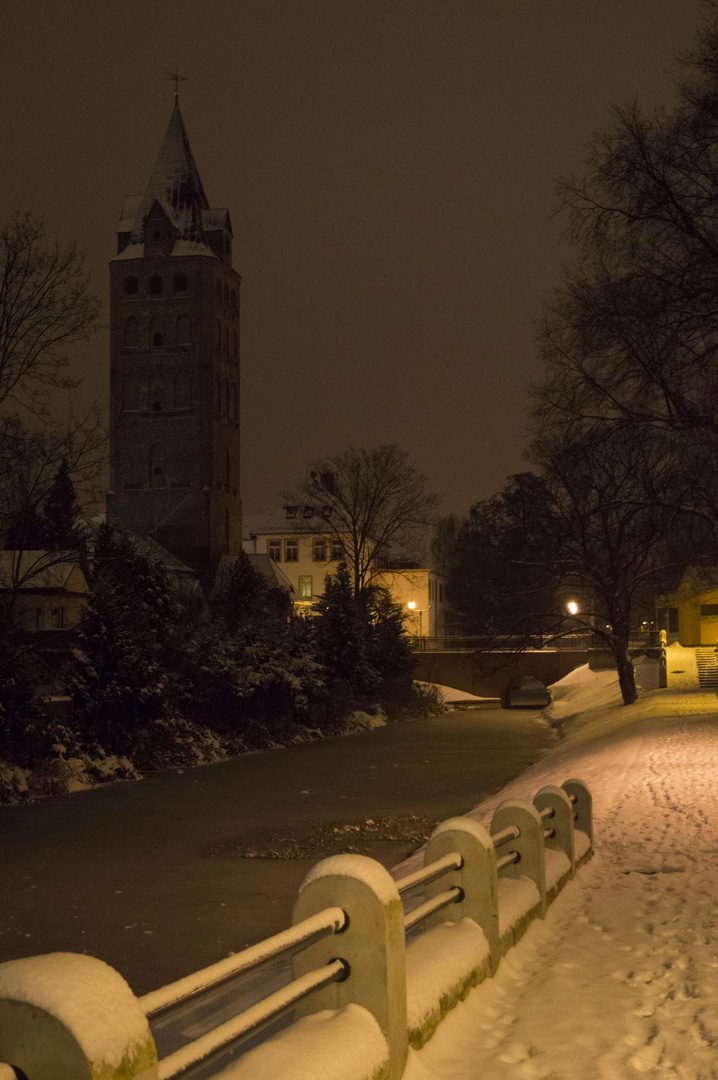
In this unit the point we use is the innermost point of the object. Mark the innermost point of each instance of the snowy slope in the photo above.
(621, 978)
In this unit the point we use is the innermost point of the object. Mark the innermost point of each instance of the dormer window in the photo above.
(154, 285)
(291, 511)
(131, 286)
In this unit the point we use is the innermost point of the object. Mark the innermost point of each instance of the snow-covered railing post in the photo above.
(582, 802)
(556, 811)
(65, 1016)
(476, 877)
(372, 945)
(521, 871)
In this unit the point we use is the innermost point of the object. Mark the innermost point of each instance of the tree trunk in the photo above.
(626, 673)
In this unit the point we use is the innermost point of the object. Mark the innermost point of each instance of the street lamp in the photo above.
(572, 607)
(412, 608)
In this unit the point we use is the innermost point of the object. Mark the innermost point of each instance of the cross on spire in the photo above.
(177, 79)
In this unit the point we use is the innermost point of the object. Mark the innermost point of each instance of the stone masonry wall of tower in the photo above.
(174, 366)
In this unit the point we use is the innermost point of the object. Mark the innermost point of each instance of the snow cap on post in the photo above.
(530, 848)
(582, 801)
(560, 855)
(65, 1016)
(372, 945)
(477, 877)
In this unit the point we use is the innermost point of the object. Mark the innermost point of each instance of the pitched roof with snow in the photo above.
(176, 186)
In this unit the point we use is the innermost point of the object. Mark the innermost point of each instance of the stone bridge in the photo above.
(487, 674)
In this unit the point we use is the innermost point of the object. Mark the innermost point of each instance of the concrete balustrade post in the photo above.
(66, 1016)
(521, 884)
(582, 817)
(477, 877)
(372, 945)
(560, 855)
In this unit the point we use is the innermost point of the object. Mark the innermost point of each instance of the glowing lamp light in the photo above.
(411, 605)
(572, 607)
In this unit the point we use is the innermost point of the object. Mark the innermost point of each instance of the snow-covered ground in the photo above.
(621, 978)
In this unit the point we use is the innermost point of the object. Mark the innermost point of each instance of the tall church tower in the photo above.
(174, 366)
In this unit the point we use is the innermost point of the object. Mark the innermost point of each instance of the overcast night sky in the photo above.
(390, 168)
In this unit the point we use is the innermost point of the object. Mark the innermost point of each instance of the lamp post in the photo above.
(413, 609)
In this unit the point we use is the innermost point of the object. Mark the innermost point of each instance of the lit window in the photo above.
(305, 587)
(337, 551)
(291, 550)
(275, 550)
(320, 550)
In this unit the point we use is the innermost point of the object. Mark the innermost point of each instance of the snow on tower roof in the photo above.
(174, 184)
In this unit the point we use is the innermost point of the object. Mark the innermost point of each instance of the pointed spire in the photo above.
(175, 184)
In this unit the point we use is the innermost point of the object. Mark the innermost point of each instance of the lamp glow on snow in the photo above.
(572, 607)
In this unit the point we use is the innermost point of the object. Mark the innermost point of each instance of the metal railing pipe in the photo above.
(250, 1021)
(431, 872)
(511, 833)
(451, 896)
(326, 922)
(506, 860)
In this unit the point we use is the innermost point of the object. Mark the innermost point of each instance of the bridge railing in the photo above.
(377, 962)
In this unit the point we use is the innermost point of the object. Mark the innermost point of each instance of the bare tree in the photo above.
(45, 306)
(373, 502)
(621, 529)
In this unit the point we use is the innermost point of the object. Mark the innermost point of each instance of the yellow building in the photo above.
(690, 614)
(307, 556)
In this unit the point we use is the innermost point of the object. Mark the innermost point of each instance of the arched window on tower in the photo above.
(131, 334)
(130, 286)
(184, 330)
(181, 283)
(154, 285)
(157, 466)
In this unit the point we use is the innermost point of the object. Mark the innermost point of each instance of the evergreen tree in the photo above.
(242, 597)
(341, 629)
(251, 670)
(60, 512)
(129, 649)
(389, 652)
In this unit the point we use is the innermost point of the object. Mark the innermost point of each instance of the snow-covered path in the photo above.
(621, 978)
